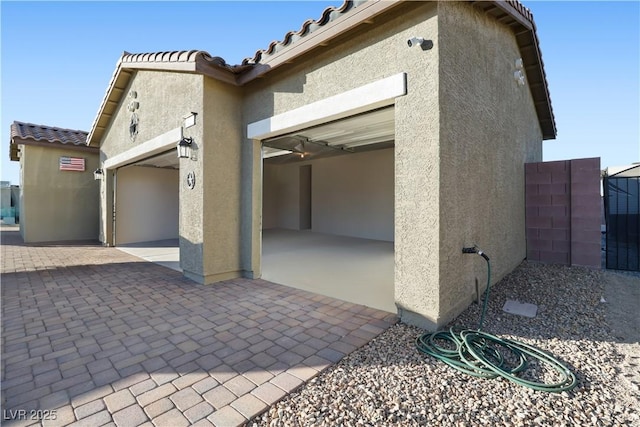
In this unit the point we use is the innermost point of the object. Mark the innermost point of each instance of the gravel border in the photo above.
(389, 382)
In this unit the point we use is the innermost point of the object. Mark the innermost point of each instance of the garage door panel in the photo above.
(147, 204)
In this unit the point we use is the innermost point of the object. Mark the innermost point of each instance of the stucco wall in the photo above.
(220, 156)
(209, 214)
(147, 204)
(164, 99)
(488, 131)
(57, 205)
(351, 195)
(374, 53)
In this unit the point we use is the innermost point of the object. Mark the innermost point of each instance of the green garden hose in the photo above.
(484, 355)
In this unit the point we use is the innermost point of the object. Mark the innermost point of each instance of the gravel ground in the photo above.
(389, 382)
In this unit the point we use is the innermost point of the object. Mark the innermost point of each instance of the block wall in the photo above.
(563, 212)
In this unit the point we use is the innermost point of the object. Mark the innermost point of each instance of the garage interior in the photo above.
(147, 209)
(328, 209)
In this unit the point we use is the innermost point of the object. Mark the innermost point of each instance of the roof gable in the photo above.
(313, 34)
(186, 61)
(520, 19)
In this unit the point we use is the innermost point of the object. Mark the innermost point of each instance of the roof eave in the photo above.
(115, 78)
(198, 62)
(509, 12)
(320, 37)
(36, 143)
(520, 20)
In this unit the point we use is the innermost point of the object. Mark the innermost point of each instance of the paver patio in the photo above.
(94, 336)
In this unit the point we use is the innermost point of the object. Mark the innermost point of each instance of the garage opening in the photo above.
(328, 209)
(147, 204)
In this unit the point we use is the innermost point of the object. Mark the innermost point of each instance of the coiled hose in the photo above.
(484, 355)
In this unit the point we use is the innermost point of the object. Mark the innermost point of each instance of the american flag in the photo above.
(71, 164)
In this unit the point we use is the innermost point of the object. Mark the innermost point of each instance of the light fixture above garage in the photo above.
(98, 174)
(184, 148)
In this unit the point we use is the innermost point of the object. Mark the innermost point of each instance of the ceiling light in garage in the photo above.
(371, 130)
(268, 152)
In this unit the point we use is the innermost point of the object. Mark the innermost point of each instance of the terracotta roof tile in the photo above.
(308, 27)
(178, 60)
(199, 61)
(524, 11)
(177, 56)
(48, 133)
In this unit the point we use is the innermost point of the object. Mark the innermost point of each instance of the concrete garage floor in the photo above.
(348, 268)
(351, 269)
(163, 252)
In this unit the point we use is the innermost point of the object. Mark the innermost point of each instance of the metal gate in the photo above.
(622, 215)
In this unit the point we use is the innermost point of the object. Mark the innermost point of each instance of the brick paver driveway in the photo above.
(93, 336)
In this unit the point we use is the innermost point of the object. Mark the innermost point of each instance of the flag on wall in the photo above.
(71, 164)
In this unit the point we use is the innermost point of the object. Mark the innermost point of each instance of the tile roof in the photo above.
(199, 60)
(46, 136)
(193, 61)
(320, 32)
(308, 27)
(48, 133)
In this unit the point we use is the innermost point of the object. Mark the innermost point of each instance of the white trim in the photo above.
(374, 95)
(157, 145)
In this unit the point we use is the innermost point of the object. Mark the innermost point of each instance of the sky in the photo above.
(57, 59)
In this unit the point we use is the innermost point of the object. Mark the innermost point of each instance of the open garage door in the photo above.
(146, 202)
(328, 209)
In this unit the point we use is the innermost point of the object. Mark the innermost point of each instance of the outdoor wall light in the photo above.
(419, 41)
(98, 174)
(184, 148)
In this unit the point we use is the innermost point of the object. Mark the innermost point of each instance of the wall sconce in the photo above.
(98, 174)
(184, 148)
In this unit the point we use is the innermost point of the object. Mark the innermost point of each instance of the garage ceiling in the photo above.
(167, 160)
(368, 131)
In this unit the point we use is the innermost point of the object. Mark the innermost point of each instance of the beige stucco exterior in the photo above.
(488, 130)
(57, 205)
(463, 131)
(221, 156)
(209, 214)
